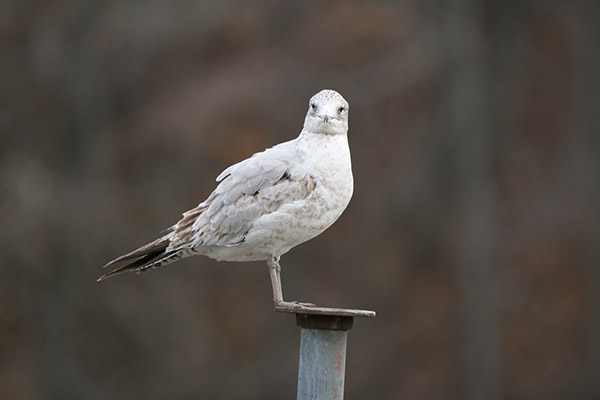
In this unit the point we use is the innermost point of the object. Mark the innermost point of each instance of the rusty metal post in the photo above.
(322, 364)
(323, 339)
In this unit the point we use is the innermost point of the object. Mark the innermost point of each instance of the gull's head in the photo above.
(327, 113)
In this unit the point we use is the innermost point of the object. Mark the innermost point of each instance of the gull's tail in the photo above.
(154, 254)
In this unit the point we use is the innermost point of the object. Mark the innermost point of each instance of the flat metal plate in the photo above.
(340, 312)
(328, 322)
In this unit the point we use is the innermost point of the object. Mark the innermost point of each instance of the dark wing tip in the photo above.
(154, 247)
(139, 258)
(110, 274)
(121, 270)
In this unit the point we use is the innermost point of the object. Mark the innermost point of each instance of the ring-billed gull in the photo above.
(267, 204)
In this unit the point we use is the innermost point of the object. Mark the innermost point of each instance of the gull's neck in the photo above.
(311, 133)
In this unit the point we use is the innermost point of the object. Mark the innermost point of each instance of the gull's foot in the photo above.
(304, 304)
(294, 305)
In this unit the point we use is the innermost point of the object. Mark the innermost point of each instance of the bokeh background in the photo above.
(474, 229)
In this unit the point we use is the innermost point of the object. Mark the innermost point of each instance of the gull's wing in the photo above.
(247, 190)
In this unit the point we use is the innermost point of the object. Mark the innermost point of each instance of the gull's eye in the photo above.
(313, 106)
(341, 110)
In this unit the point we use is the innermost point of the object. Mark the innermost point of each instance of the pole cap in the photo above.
(329, 322)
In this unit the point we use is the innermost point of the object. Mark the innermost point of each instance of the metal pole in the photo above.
(322, 365)
(323, 338)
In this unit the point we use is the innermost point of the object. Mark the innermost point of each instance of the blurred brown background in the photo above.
(473, 230)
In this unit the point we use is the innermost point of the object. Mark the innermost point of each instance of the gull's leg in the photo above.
(275, 273)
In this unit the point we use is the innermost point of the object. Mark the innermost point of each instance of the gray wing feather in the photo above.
(247, 190)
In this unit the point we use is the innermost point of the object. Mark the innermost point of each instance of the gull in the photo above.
(267, 204)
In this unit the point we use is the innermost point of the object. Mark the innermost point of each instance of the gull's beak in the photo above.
(326, 119)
